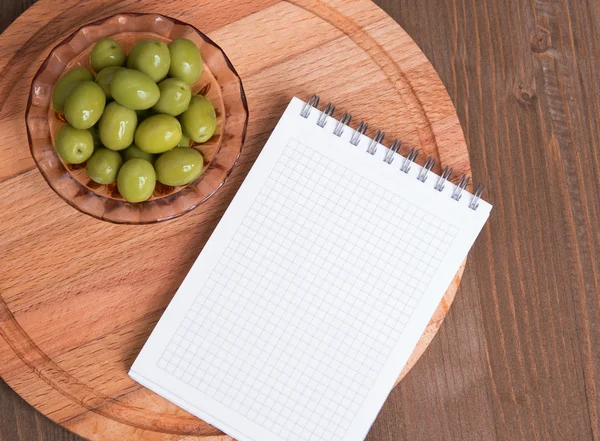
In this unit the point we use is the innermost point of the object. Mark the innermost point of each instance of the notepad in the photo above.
(315, 287)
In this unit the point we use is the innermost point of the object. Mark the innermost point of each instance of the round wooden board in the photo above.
(80, 296)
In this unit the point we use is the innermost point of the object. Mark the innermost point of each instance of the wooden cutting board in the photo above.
(78, 296)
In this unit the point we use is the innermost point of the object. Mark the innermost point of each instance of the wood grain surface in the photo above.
(517, 356)
(82, 296)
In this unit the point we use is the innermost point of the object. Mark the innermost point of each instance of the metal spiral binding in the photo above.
(360, 130)
(375, 142)
(329, 108)
(476, 197)
(313, 102)
(389, 156)
(457, 193)
(344, 121)
(441, 183)
(426, 169)
(412, 155)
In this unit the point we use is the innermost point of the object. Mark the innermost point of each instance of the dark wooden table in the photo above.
(518, 356)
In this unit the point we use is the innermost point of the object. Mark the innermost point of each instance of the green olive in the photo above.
(184, 141)
(106, 52)
(186, 62)
(136, 180)
(117, 126)
(103, 166)
(199, 121)
(66, 84)
(151, 57)
(134, 90)
(105, 77)
(179, 166)
(85, 104)
(133, 151)
(175, 97)
(74, 146)
(158, 133)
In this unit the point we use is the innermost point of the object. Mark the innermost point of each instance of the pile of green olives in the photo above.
(134, 121)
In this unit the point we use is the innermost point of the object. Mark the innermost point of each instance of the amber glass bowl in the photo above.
(219, 82)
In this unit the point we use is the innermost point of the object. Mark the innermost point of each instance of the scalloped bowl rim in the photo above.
(187, 209)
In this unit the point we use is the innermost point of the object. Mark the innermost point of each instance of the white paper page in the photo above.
(312, 292)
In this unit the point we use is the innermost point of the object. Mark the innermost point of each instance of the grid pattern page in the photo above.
(309, 298)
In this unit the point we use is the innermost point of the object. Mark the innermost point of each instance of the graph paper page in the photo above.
(312, 292)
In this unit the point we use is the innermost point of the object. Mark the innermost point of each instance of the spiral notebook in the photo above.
(312, 292)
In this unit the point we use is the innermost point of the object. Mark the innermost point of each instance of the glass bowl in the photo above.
(219, 82)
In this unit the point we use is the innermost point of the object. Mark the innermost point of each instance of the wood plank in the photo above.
(101, 287)
(522, 89)
(515, 358)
